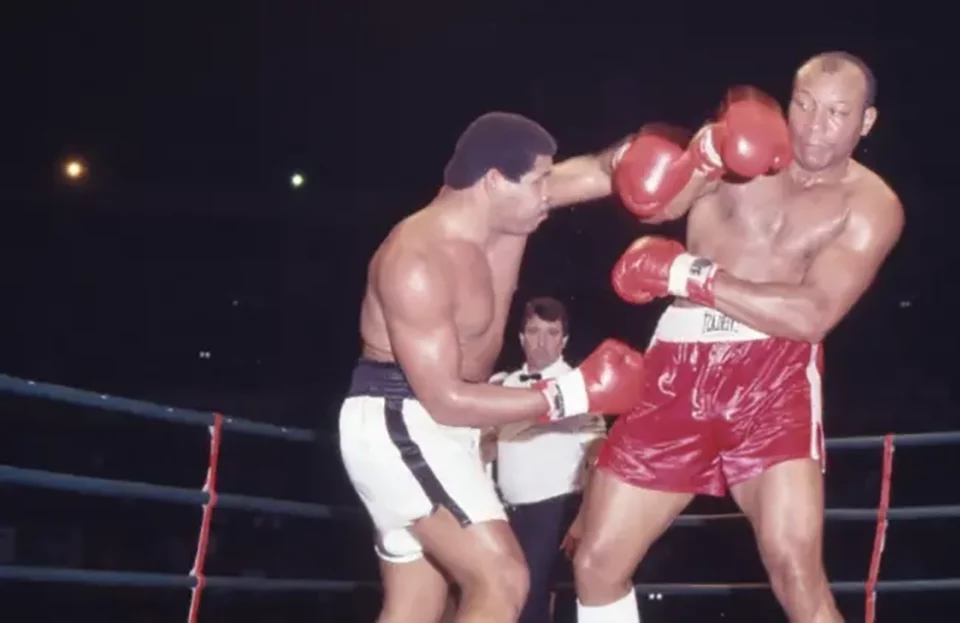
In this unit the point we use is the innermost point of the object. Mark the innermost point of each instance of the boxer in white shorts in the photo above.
(432, 321)
(406, 465)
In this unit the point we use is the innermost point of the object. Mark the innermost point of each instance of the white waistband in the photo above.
(702, 324)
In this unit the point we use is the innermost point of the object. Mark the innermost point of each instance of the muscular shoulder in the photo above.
(876, 214)
(415, 270)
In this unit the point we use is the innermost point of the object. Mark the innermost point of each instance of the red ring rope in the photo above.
(881, 535)
(210, 487)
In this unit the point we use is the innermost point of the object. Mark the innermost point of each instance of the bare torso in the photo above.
(771, 228)
(484, 284)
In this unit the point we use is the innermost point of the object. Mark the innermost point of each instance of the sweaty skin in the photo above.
(438, 296)
(795, 256)
(796, 250)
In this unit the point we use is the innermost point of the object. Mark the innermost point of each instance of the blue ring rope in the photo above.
(133, 578)
(177, 495)
(155, 411)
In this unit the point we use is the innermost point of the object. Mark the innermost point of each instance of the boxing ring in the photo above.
(210, 498)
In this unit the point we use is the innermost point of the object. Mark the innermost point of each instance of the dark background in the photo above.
(187, 237)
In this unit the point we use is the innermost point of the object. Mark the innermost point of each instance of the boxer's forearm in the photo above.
(780, 310)
(583, 178)
(697, 187)
(579, 179)
(482, 405)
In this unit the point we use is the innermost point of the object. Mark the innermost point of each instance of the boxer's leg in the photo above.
(785, 507)
(776, 471)
(654, 461)
(426, 489)
(413, 592)
(466, 533)
(621, 522)
(483, 558)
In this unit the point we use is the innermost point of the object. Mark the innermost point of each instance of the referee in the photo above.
(541, 468)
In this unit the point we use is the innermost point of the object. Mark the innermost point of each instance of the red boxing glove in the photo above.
(609, 381)
(654, 267)
(651, 170)
(750, 138)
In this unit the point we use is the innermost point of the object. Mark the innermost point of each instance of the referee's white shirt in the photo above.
(540, 461)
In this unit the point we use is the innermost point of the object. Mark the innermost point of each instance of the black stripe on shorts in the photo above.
(413, 458)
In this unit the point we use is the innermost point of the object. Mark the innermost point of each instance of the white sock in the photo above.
(623, 610)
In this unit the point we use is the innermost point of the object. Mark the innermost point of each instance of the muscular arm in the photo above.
(837, 278)
(588, 177)
(418, 307)
(695, 189)
(582, 178)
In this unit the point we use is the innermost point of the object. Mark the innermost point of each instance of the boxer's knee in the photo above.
(794, 563)
(795, 566)
(600, 571)
(512, 578)
(498, 590)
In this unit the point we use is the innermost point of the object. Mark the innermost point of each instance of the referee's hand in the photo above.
(572, 539)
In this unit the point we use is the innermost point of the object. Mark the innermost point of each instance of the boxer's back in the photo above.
(481, 285)
(771, 228)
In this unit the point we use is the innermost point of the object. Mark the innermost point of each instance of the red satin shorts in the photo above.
(722, 404)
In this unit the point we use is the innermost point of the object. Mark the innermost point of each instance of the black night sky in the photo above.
(186, 237)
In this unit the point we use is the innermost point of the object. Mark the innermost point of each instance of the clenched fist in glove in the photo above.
(750, 138)
(610, 381)
(653, 267)
(651, 170)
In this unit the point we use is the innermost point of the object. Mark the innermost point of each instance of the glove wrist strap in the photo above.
(692, 277)
(618, 155)
(567, 396)
(708, 159)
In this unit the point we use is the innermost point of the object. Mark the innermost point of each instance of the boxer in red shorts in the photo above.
(785, 233)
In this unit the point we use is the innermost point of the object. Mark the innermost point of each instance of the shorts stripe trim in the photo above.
(413, 459)
(815, 378)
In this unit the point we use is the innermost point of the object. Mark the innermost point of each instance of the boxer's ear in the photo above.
(563, 344)
(493, 181)
(869, 118)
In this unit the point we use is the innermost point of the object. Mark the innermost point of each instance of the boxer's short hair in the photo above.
(834, 61)
(507, 142)
(547, 308)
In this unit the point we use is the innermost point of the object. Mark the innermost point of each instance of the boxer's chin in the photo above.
(537, 222)
(529, 225)
(814, 157)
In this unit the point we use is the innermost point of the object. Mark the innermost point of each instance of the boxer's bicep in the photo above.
(418, 310)
(843, 270)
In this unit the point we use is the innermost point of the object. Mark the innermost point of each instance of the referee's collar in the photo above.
(554, 370)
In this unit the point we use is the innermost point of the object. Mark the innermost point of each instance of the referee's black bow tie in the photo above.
(536, 376)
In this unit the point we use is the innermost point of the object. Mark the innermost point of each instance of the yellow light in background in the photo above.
(297, 180)
(74, 169)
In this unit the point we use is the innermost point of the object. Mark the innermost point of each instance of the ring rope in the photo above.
(210, 488)
(148, 410)
(880, 538)
(127, 489)
(139, 408)
(177, 495)
(210, 498)
(141, 579)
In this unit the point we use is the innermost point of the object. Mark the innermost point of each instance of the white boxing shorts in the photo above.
(404, 465)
